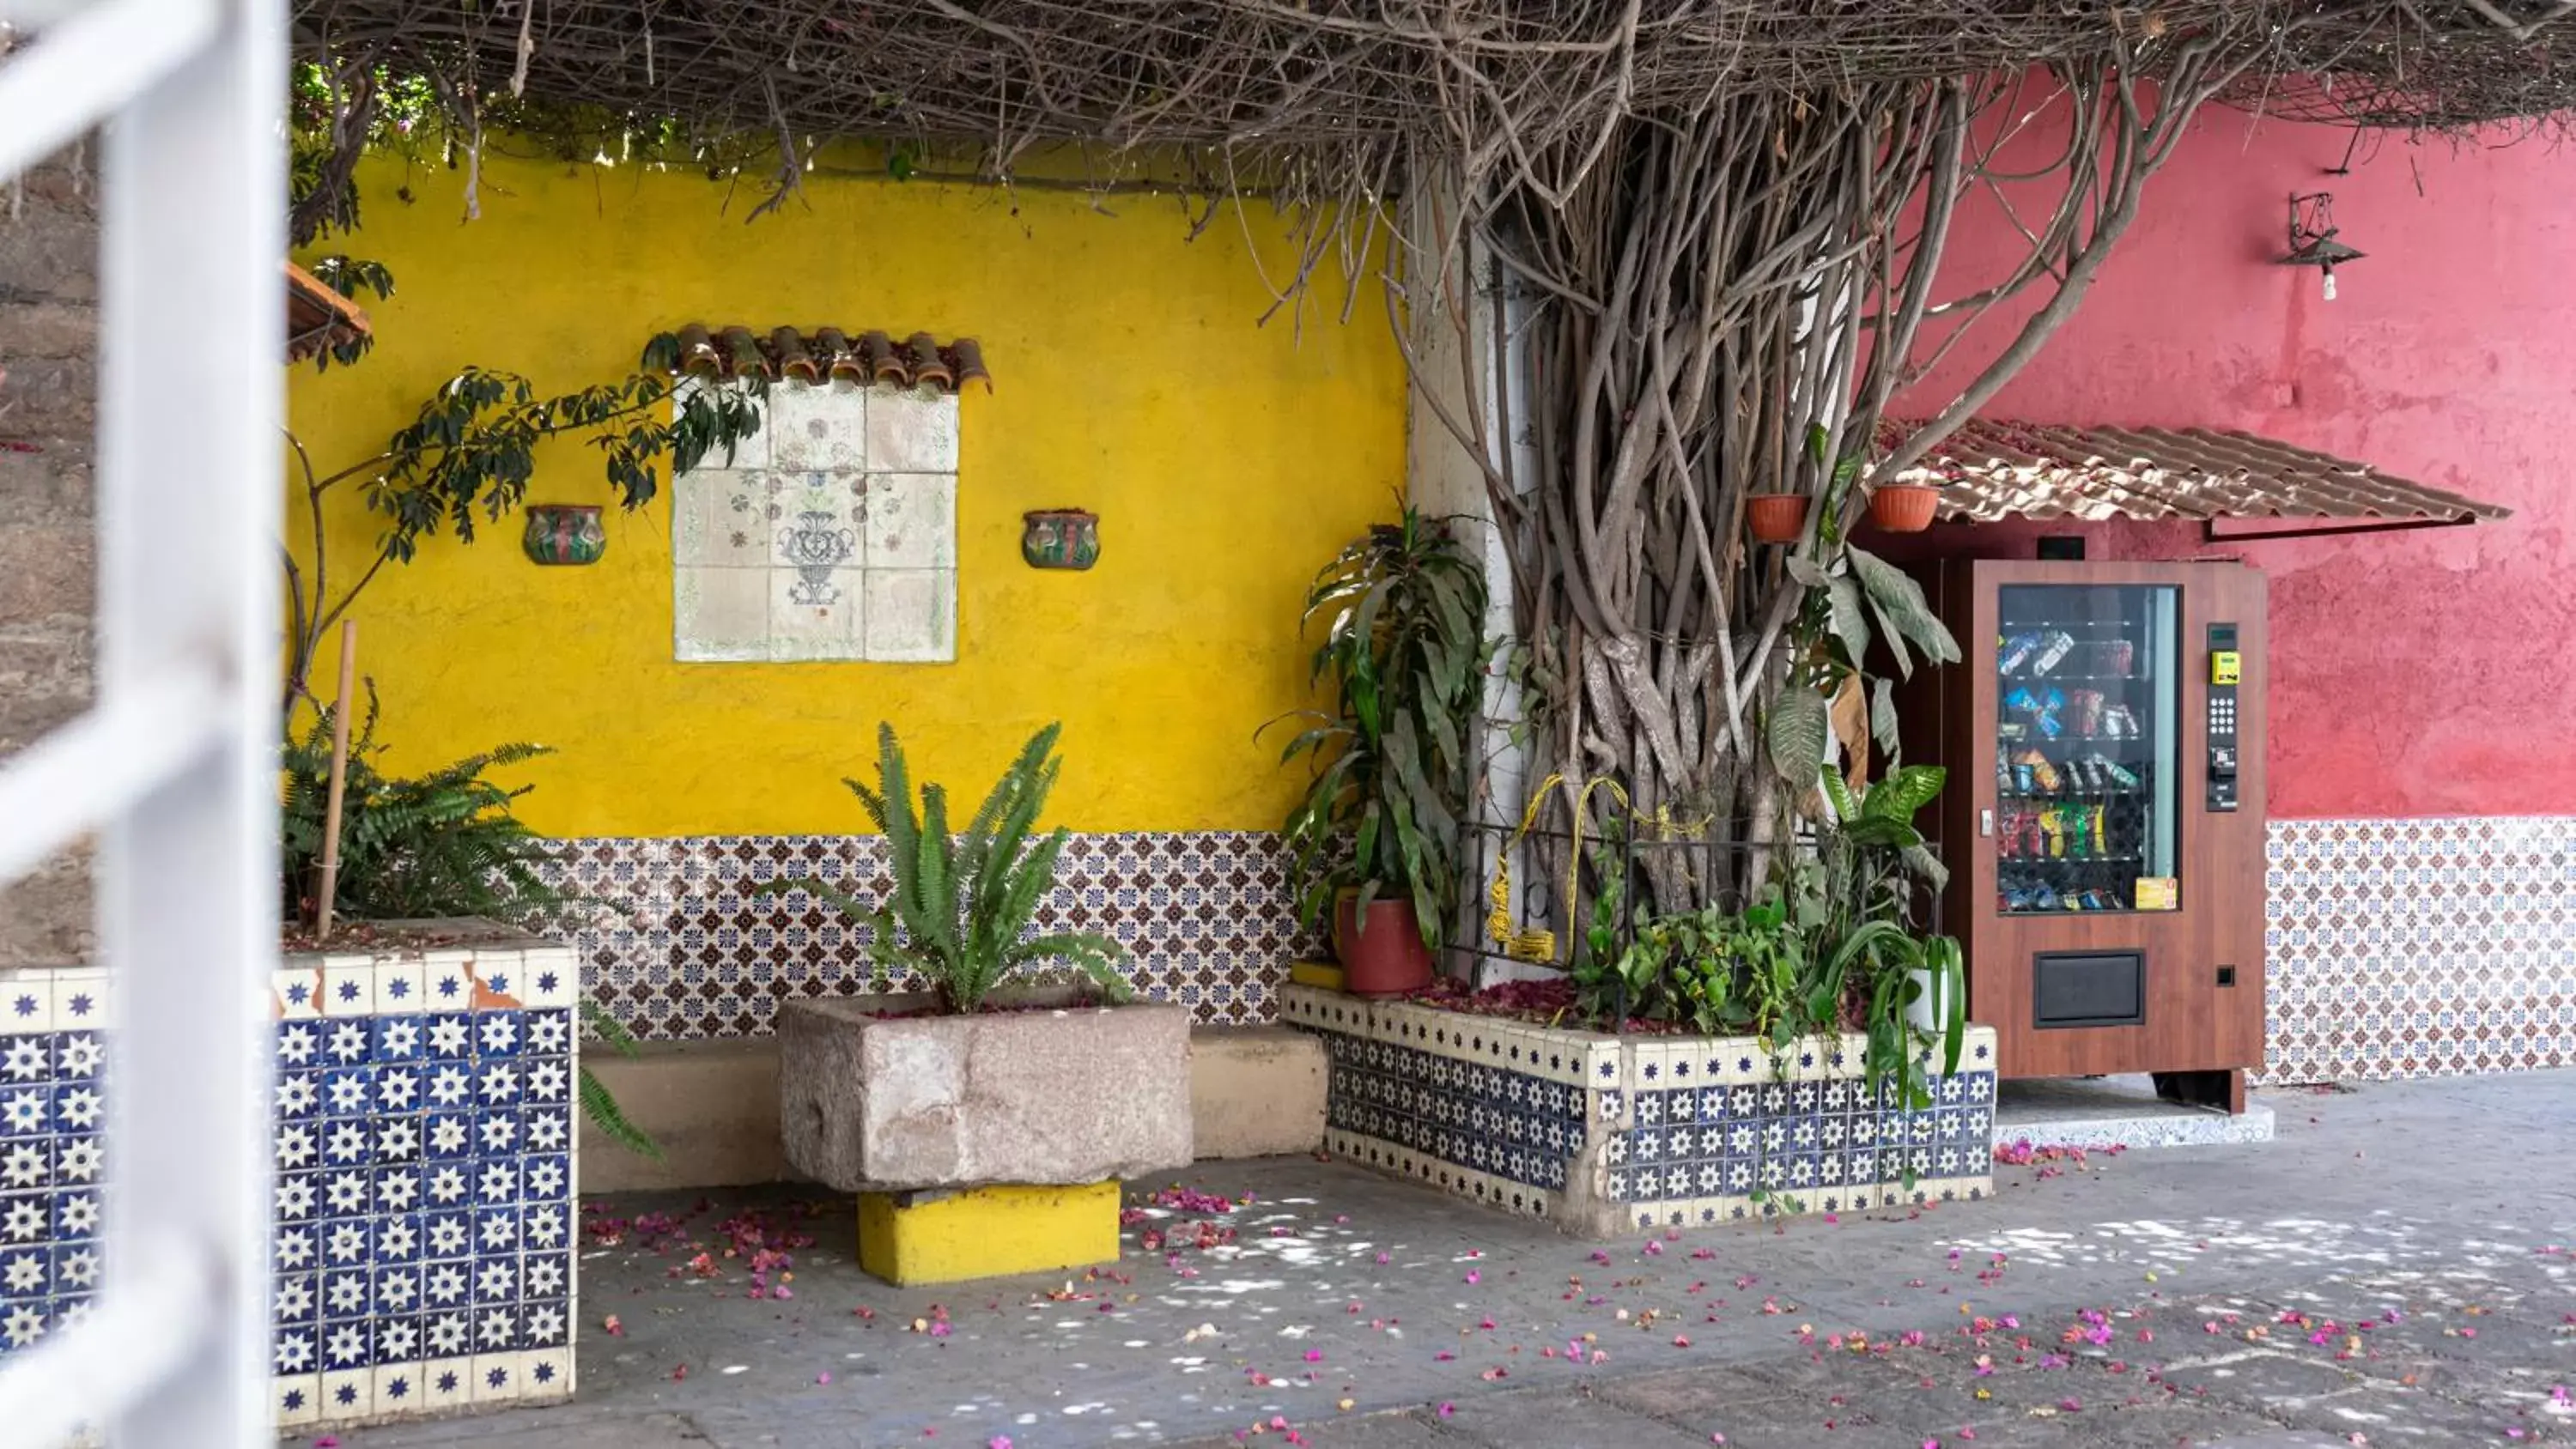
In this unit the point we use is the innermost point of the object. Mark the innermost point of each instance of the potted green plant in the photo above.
(1379, 836)
(977, 1081)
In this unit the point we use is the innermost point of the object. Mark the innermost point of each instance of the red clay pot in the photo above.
(1776, 517)
(1903, 507)
(1385, 956)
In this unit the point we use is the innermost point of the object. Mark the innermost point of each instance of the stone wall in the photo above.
(48, 410)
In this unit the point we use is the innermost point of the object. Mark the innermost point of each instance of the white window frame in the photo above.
(175, 766)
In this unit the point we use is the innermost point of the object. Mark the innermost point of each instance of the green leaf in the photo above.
(1850, 622)
(1882, 713)
(1904, 791)
(1924, 863)
(1901, 601)
(1796, 734)
(1838, 794)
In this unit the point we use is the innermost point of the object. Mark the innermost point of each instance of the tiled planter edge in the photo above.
(421, 1224)
(1609, 1134)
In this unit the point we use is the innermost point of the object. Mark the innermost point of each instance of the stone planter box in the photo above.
(870, 1103)
(423, 1126)
(1611, 1134)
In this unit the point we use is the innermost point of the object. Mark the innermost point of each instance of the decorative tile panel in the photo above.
(2419, 947)
(422, 1226)
(1610, 1134)
(683, 947)
(831, 535)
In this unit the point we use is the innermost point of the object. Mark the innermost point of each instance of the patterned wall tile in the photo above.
(687, 946)
(421, 1217)
(2422, 947)
(2394, 947)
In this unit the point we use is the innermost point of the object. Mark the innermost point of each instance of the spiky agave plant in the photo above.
(962, 911)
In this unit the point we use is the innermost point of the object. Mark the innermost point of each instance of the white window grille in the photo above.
(175, 765)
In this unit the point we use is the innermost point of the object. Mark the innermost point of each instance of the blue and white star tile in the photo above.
(447, 1382)
(497, 1329)
(496, 1230)
(26, 1165)
(448, 1136)
(295, 993)
(346, 1042)
(26, 1273)
(397, 1290)
(27, 1002)
(395, 1189)
(448, 1334)
(25, 1059)
(295, 1400)
(546, 1372)
(496, 1376)
(296, 1349)
(398, 1388)
(348, 1393)
(447, 1285)
(447, 1234)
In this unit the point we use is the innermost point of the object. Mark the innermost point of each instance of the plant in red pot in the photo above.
(1378, 836)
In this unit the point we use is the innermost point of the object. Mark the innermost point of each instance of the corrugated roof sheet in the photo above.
(829, 354)
(1990, 470)
(317, 317)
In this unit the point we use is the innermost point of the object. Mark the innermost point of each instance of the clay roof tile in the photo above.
(1991, 469)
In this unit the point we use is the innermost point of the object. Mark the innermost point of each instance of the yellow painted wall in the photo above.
(1227, 461)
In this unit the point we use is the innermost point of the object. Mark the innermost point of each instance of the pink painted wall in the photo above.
(2424, 673)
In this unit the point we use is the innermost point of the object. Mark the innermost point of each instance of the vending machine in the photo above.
(2103, 821)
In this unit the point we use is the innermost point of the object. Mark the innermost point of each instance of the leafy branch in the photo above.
(471, 450)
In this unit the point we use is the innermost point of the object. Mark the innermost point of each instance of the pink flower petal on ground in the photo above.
(1314, 1355)
(824, 1377)
(1447, 1409)
(1475, 1277)
(999, 1441)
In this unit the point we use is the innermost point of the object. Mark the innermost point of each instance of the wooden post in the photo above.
(339, 780)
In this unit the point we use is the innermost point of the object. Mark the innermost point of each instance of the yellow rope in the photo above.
(1537, 944)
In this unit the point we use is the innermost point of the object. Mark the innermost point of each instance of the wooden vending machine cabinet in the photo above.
(2104, 816)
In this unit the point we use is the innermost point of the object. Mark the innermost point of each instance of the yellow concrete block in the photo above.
(986, 1232)
(1322, 975)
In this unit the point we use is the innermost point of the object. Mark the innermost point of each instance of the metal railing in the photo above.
(175, 765)
(1558, 883)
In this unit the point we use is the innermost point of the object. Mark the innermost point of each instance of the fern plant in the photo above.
(964, 908)
(440, 844)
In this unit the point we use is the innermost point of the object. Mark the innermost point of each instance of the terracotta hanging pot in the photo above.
(1060, 538)
(1904, 507)
(1383, 955)
(1776, 517)
(564, 533)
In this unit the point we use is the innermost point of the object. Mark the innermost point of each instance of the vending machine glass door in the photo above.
(2087, 749)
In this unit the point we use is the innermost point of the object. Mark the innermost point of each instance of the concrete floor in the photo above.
(2395, 1269)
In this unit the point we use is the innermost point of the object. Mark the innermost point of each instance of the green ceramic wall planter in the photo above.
(564, 533)
(1060, 538)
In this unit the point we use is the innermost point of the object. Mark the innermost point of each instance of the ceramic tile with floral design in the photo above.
(911, 432)
(912, 521)
(720, 614)
(909, 614)
(818, 427)
(721, 517)
(814, 613)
